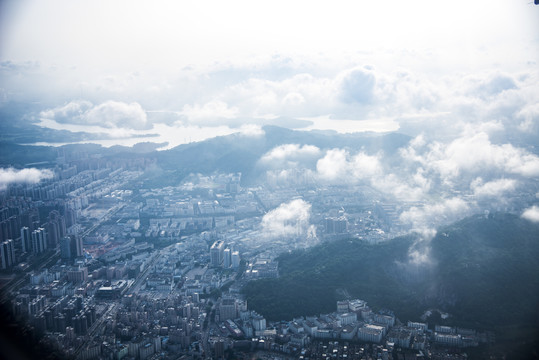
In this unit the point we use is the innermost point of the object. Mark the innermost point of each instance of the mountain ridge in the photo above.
(463, 282)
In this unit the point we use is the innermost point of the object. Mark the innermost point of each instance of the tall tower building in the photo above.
(76, 246)
(217, 253)
(227, 261)
(39, 241)
(235, 259)
(71, 247)
(65, 247)
(26, 239)
(53, 234)
(59, 222)
(7, 254)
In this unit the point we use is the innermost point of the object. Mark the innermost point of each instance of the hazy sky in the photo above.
(192, 69)
(168, 35)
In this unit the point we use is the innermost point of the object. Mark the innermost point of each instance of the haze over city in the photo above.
(215, 146)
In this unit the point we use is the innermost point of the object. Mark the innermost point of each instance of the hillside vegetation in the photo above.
(485, 276)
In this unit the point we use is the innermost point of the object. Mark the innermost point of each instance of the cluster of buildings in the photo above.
(109, 269)
(222, 256)
(341, 332)
(22, 234)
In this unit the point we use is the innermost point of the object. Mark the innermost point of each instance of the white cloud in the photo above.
(529, 117)
(424, 221)
(292, 163)
(293, 98)
(115, 114)
(399, 187)
(70, 113)
(210, 112)
(338, 165)
(357, 86)
(494, 84)
(300, 94)
(109, 115)
(290, 156)
(420, 257)
(333, 166)
(531, 214)
(474, 154)
(419, 253)
(441, 212)
(365, 166)
(29, 176)
(421, 180)
(408, 92)
(251, 130)
(234, 95)
(495, 188)
(288, 220)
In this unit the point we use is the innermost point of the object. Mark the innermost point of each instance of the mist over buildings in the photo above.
(170, 154)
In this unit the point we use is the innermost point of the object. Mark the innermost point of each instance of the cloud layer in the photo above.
(24, 176)
(289, 92)
(437, 181)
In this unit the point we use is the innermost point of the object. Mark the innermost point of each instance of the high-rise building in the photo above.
(9, 228)
(235, 259)
(14, 226)
(53, 234)
(71, 247)
(227, 261)
(4, 230)
(65, 247)
(217, 253)
(59, 223)
(4, 213)
(76, 246)
(39, 241)
(219, 349)
(7, 254)
(259, 323)
(26, 239)
(70, 217)
(336, 225)
(227, 309)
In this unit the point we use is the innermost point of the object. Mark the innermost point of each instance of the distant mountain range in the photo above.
(231, 153)
(239, 153)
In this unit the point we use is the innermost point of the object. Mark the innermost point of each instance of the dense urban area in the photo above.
(102, 266)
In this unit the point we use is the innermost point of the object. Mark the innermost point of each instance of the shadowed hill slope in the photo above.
(485, 276)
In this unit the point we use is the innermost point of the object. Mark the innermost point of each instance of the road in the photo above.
(113, 210)
(135, 286)
(206, 335)
(97, 325)
(20, 279)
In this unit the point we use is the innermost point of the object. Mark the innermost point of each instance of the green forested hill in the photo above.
(491, 267)
(312, 280)
(486, 275)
